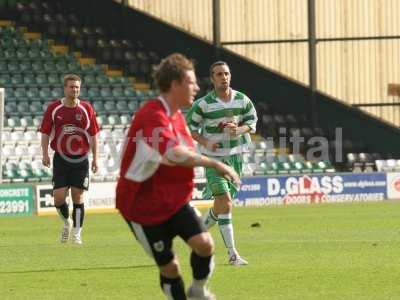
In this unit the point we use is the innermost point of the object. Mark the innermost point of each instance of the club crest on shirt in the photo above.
(78, 117)
(158, 246)
(69, 129)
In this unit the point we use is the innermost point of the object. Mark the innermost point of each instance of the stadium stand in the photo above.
(40, 44)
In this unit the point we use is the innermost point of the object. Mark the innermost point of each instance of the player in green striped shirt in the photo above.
(221, 122)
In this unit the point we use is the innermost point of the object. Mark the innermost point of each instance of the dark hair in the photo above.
(71, 77)
(172, 67)
(217, 63)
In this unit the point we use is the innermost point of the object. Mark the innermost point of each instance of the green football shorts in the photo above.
(218, 185)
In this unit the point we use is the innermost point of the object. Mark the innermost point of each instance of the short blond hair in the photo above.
(71, 77)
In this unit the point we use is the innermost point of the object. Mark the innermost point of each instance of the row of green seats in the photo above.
(54, 79)
(21, 67)
(28, 174)
(298, 167)
(15, 43)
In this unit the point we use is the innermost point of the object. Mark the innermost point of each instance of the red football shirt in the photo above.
(149, 192)
(69, 128)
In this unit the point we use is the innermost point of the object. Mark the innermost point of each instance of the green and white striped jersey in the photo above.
(208, 114)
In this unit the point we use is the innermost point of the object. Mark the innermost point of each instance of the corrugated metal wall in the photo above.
(263, 20)
(355, 71)
(359, 71)
(194, 16)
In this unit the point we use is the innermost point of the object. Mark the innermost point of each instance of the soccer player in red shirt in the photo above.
(71, 125)
(156, 181)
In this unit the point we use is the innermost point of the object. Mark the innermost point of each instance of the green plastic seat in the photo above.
(129, 92)
(54, 79)
(133, 106)
(13, 67)
(23, 108)
(17, 80)
(61, 67)
(27, 122)
(20, 94)
(10, 108)
(89, 79)
(36, 108)
(29, 79)
(25, 66)
(73, 67)
(98, 107)
(83, 93)
(3, 67)
(118, 93)
(109, 106)
(13, 122)
(93, 93)
(37, 66)
(33, 54)
(261, 169)
(49, 67)
(122, 106)
(5, 79)
(39, 44)
(106, 93)
(57, 92)
(10, 175)
(26, 175)
(33, 93)
(46, 54)
(114, 120)
(101, 79)
(126, 120)
(10, 54)
(10, 95)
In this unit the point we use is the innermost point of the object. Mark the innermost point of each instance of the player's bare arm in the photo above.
(183, 156)
(93, 144)
(45, 150)
(210, 145)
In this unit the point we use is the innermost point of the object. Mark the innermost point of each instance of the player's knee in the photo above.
(206, 246)
(59, 197)
(171, 269)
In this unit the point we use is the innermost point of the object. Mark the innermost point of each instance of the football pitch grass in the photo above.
(325, 251)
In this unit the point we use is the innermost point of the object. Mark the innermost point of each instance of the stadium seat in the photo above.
(125, 120)
(93, 93)
(114, 121)
(27, 123)
(10, 109)
(32, 93)
(36, 108)
(133, 106)
(21, 151)
(118, 134)
(32, 136)
(105, 93)
(105, 135)
(14, 123)
(98, 107)
(25, 173)
(122, 106)
(110, 107)
(39, 171)
(23, 108)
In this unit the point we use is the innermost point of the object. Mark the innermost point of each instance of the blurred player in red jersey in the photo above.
(71, 125)
(156, 181)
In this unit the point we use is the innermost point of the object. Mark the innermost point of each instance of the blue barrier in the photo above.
(313, 188)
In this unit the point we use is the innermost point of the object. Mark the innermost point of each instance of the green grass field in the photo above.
(328, 251)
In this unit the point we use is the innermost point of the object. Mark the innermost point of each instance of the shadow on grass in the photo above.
(79, 269)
